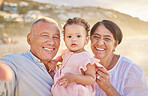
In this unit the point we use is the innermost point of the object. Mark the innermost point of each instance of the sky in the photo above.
(135, 8)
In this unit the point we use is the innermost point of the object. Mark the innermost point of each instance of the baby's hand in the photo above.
(51, 65)
(66, 79)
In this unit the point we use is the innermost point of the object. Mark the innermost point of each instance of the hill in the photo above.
(129, 25)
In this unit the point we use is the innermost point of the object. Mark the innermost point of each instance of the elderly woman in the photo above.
(120, 76)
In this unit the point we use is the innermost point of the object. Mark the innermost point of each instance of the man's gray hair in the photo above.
(45, 19)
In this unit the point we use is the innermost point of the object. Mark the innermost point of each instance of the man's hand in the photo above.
(1, 1)
(5, 72)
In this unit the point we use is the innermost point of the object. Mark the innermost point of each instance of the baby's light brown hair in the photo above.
(79, 21)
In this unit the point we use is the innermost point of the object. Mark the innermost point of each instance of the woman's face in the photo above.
(102, 42)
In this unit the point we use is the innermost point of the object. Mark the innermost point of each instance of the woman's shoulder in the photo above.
(126, 69)
(128, 64)
(124, 61)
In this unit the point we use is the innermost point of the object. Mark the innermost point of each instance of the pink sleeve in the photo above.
(90, 61)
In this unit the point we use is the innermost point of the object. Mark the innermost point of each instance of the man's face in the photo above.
(44, 40)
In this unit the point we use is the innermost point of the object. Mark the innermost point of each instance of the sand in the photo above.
(134, 48)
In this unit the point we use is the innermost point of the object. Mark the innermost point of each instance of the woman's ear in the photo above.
(87, 40)
(116, 43)
(29, 38)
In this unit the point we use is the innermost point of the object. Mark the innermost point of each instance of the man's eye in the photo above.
(44, 35)
(68, 36)
(78, 36)
(56, 37)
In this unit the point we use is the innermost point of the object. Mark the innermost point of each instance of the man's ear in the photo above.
(87, 40)
(29, 38)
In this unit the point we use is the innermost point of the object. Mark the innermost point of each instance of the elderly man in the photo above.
(27, 73)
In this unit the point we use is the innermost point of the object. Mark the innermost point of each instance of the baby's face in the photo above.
(75, 37)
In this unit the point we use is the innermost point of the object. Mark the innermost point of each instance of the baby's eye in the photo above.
(68, 36)
(78, 36)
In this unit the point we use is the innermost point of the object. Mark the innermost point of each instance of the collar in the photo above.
(34, 57)
(38, 61)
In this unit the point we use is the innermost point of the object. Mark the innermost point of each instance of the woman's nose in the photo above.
(100, 41)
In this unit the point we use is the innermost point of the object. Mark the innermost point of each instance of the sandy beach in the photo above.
(134, 48)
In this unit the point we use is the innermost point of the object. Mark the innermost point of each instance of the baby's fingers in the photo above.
(61, 81)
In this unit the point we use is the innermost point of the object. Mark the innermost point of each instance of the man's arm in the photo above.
(5, 71)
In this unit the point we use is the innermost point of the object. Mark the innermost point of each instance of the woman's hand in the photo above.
(66, 79)
(104, 82)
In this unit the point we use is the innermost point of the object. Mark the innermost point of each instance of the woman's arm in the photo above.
(104, 82)
(88, 78)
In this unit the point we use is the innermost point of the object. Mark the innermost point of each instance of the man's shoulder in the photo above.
(14, 57)
(16, 60)
(10, 56)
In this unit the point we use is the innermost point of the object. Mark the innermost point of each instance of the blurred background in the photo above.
(16, 17)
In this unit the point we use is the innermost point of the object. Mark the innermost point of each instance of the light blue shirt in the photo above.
(30, 76)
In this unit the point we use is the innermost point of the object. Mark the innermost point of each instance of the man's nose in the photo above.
(50, 41)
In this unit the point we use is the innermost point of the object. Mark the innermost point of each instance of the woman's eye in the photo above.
(107, 39)
(68, 36)
(95, 37)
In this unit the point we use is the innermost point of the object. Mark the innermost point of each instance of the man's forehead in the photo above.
(42, 24)
(45, 27)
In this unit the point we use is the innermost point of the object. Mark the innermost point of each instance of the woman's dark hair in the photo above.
(112, 27)
(79, 21)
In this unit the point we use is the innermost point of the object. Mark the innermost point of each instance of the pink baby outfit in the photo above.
(72, 63)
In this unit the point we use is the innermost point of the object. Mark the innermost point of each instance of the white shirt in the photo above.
(127, 78)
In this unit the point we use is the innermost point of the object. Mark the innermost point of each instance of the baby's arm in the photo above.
(53, 63)
(58, 59)
(88, 78)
